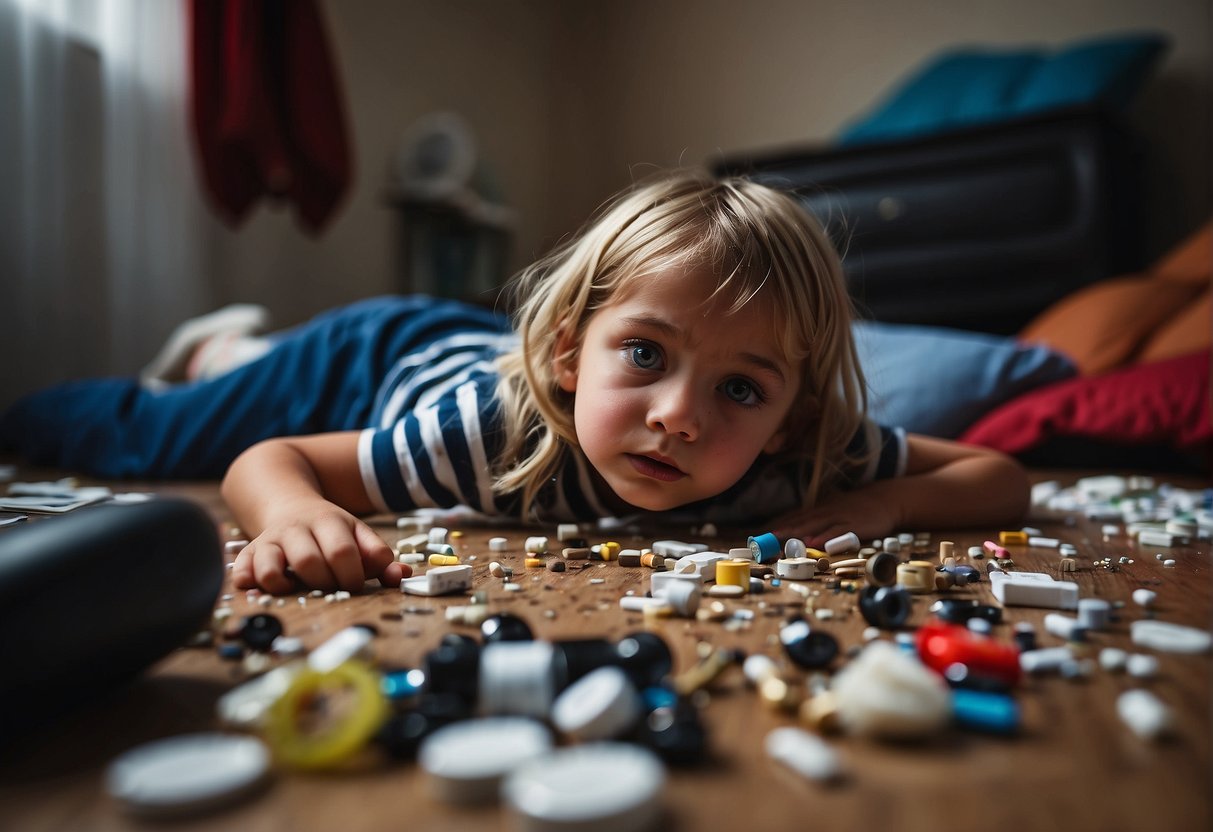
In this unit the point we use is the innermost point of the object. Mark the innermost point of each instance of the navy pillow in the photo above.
(978, 85)
(938, 381)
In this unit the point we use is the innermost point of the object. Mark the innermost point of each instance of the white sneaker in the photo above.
(170, 363)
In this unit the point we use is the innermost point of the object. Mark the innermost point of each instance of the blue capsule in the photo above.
(979, 710)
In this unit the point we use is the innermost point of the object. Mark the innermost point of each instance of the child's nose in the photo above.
(676, 411)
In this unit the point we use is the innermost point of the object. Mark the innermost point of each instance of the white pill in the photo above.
(1112, 659)
(1170, 638)
(599, 706)
(1144, 713)
(794, 548)
(498, 544)
(804, 753)
(437, 535)
(1144, 597)
(187, 773)
(757, 666)
(1142, 666)
(843, 543)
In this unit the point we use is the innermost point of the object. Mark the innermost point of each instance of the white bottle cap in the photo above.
(466, 760)
(188, 773)
(600, 706)
(615, 787)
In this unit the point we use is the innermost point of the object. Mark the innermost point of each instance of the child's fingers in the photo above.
(394, 573)
(269, 568)
(306, 558)
(376, 554)
(242, 569)
(340, 546)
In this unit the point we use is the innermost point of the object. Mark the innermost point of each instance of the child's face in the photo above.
(675, 399)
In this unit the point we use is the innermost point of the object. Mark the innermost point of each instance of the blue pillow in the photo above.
(939, 381)
(1109, 70)
(963, 87)
(959, 87)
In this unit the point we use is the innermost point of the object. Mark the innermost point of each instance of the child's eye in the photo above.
(644, 355)
(742, 391)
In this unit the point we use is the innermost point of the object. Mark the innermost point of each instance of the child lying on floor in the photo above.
(689, 352)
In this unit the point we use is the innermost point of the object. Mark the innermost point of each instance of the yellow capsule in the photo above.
(533, 563)
(733, 573)
(443, 560)
(1013, 538)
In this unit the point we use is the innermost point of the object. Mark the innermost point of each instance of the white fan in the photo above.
(437, 163)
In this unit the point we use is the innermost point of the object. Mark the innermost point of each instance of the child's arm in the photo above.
(299, 497)
(946, 485)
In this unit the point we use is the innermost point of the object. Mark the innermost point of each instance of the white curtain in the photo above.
(101, 223)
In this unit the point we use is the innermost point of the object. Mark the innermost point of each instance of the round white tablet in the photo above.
(599, 706)
(188, 773)
(599, 787)
(465, 761)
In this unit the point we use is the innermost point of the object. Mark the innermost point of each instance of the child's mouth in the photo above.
(656, 469)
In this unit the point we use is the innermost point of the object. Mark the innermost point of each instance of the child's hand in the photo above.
(866, 512)
(320, 546)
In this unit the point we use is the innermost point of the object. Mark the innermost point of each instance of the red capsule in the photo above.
(942, 645)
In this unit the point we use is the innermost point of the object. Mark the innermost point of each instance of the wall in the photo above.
(687, 81)
(570, 100)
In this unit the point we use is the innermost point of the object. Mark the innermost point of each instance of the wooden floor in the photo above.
(1073, 766)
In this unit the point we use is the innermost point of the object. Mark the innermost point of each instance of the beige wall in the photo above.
(569, 99)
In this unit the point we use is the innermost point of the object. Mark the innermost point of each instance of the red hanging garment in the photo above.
(268, 119)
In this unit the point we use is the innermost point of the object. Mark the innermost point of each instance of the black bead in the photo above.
(505, 627)
(645, 657)
(259, 631)
(807, 647)
(886, 607)
(453, 667)
(402, 734)
(675, 733)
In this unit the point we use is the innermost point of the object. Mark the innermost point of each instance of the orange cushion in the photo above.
(1100, 327)
(1189, 262)
(1188, 331)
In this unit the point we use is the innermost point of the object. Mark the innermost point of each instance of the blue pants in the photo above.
(319, 377)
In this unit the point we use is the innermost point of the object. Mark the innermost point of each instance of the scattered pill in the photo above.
(1144, 713)
(843, 543)
(618, 786)
(1144, 597)
(180, 775)
(1141, 665)
(803, 752)
(1112, 659)
(1168, 637)
(466, 761)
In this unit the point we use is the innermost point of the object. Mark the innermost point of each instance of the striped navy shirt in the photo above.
(438, 432)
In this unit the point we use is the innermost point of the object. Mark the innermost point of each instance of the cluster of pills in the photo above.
(484, 717)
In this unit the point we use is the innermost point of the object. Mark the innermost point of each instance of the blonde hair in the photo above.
(758, 241)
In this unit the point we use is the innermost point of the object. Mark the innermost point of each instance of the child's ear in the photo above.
(564, 361)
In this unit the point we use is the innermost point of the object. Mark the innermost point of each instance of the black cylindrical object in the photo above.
(99, 595)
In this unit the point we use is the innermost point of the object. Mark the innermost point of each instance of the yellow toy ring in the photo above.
(338, 732)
